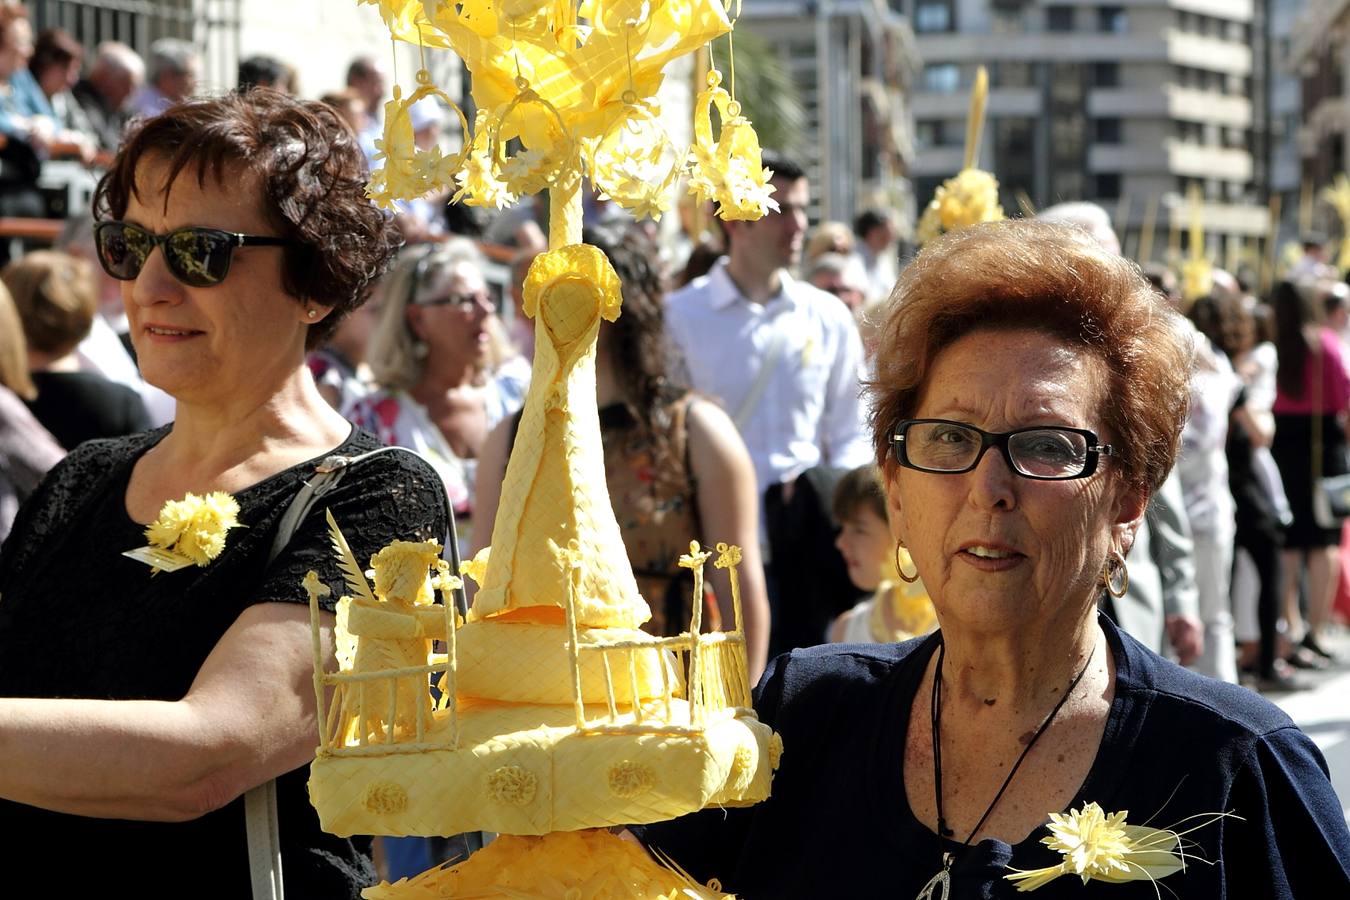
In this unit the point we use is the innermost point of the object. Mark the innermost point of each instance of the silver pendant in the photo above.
(940, 885)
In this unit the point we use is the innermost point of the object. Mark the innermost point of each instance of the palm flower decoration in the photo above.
(479, 184)
(1100, 846)
(728, 170)
(562, 80)
(192, 531)
(969, 198)
(971, 195)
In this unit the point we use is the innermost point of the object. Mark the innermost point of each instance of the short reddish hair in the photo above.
(1052, 278)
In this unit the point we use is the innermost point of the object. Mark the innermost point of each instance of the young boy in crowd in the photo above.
(896, 611)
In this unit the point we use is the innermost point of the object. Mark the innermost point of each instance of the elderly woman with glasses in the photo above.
(137, 704)
(1029, 396)
(446, 372)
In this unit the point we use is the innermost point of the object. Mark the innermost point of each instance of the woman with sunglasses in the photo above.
(1029, 396)
(138, 706)
(445, 370)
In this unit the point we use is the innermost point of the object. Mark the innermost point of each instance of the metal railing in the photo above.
(213, 25)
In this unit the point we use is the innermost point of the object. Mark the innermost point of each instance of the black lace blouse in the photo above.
(78, 619)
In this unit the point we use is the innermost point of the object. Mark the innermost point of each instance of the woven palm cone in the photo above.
(554, 494)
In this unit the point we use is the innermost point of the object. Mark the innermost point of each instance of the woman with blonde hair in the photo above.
(829, 237)
(446, 373)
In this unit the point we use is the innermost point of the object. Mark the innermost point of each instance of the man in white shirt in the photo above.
(877, 249)
(784, 358)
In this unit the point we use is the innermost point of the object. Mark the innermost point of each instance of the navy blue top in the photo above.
(1176, 744)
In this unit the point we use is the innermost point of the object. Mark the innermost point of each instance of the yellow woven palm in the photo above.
(555, 491)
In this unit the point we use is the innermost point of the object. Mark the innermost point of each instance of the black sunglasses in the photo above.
(196, 256)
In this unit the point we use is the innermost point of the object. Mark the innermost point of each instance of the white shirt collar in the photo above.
(722, 291)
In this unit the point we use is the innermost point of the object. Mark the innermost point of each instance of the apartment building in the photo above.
(1319, 53)
(1125, 103)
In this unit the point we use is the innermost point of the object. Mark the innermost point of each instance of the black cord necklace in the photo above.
(939, 886)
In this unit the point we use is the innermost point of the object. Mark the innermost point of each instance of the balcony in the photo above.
(1172, 102)
(1173, 158)
(956, 105)
(1214, 54)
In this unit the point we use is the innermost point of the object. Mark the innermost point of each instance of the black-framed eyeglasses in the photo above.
(1045, 453)
(196, 256)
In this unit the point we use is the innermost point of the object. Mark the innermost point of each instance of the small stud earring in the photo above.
(312, 313)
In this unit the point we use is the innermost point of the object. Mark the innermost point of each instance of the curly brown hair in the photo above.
(636, 341)
(313, 175)
(1050, 278)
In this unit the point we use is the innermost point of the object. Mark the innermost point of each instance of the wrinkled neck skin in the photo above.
(1026, 669)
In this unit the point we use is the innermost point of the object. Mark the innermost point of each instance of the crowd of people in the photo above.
(768, 384)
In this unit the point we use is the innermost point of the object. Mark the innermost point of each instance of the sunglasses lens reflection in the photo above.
(198, 257)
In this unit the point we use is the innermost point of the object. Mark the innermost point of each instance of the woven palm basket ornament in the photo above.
(555, 718)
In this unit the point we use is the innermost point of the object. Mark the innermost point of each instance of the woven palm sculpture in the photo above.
(556, 717)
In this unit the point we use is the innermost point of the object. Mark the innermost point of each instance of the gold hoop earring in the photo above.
(900, 570)
(1116, 570)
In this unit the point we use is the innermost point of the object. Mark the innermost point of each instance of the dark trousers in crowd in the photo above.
(1265, 550)
(806, 576)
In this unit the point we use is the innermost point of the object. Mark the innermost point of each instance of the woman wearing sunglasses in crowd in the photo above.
(446, 372)
(1029, 396)
(136, 707)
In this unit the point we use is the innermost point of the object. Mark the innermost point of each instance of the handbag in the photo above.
(1331, 493)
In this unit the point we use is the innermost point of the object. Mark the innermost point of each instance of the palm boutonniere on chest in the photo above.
(188, 532)
(1101, 846)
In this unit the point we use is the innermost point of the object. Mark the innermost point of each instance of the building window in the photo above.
(1007, 17)
(942, 78)
(1106, 74)
(1010, 74)
(1059, 18)
(1107, 185)
(1106, 131)
(1112, 19)
(929, 133)
(1188, 132)
(932, 16)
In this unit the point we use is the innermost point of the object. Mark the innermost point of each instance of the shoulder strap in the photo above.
(264, 841)
(751, 401)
